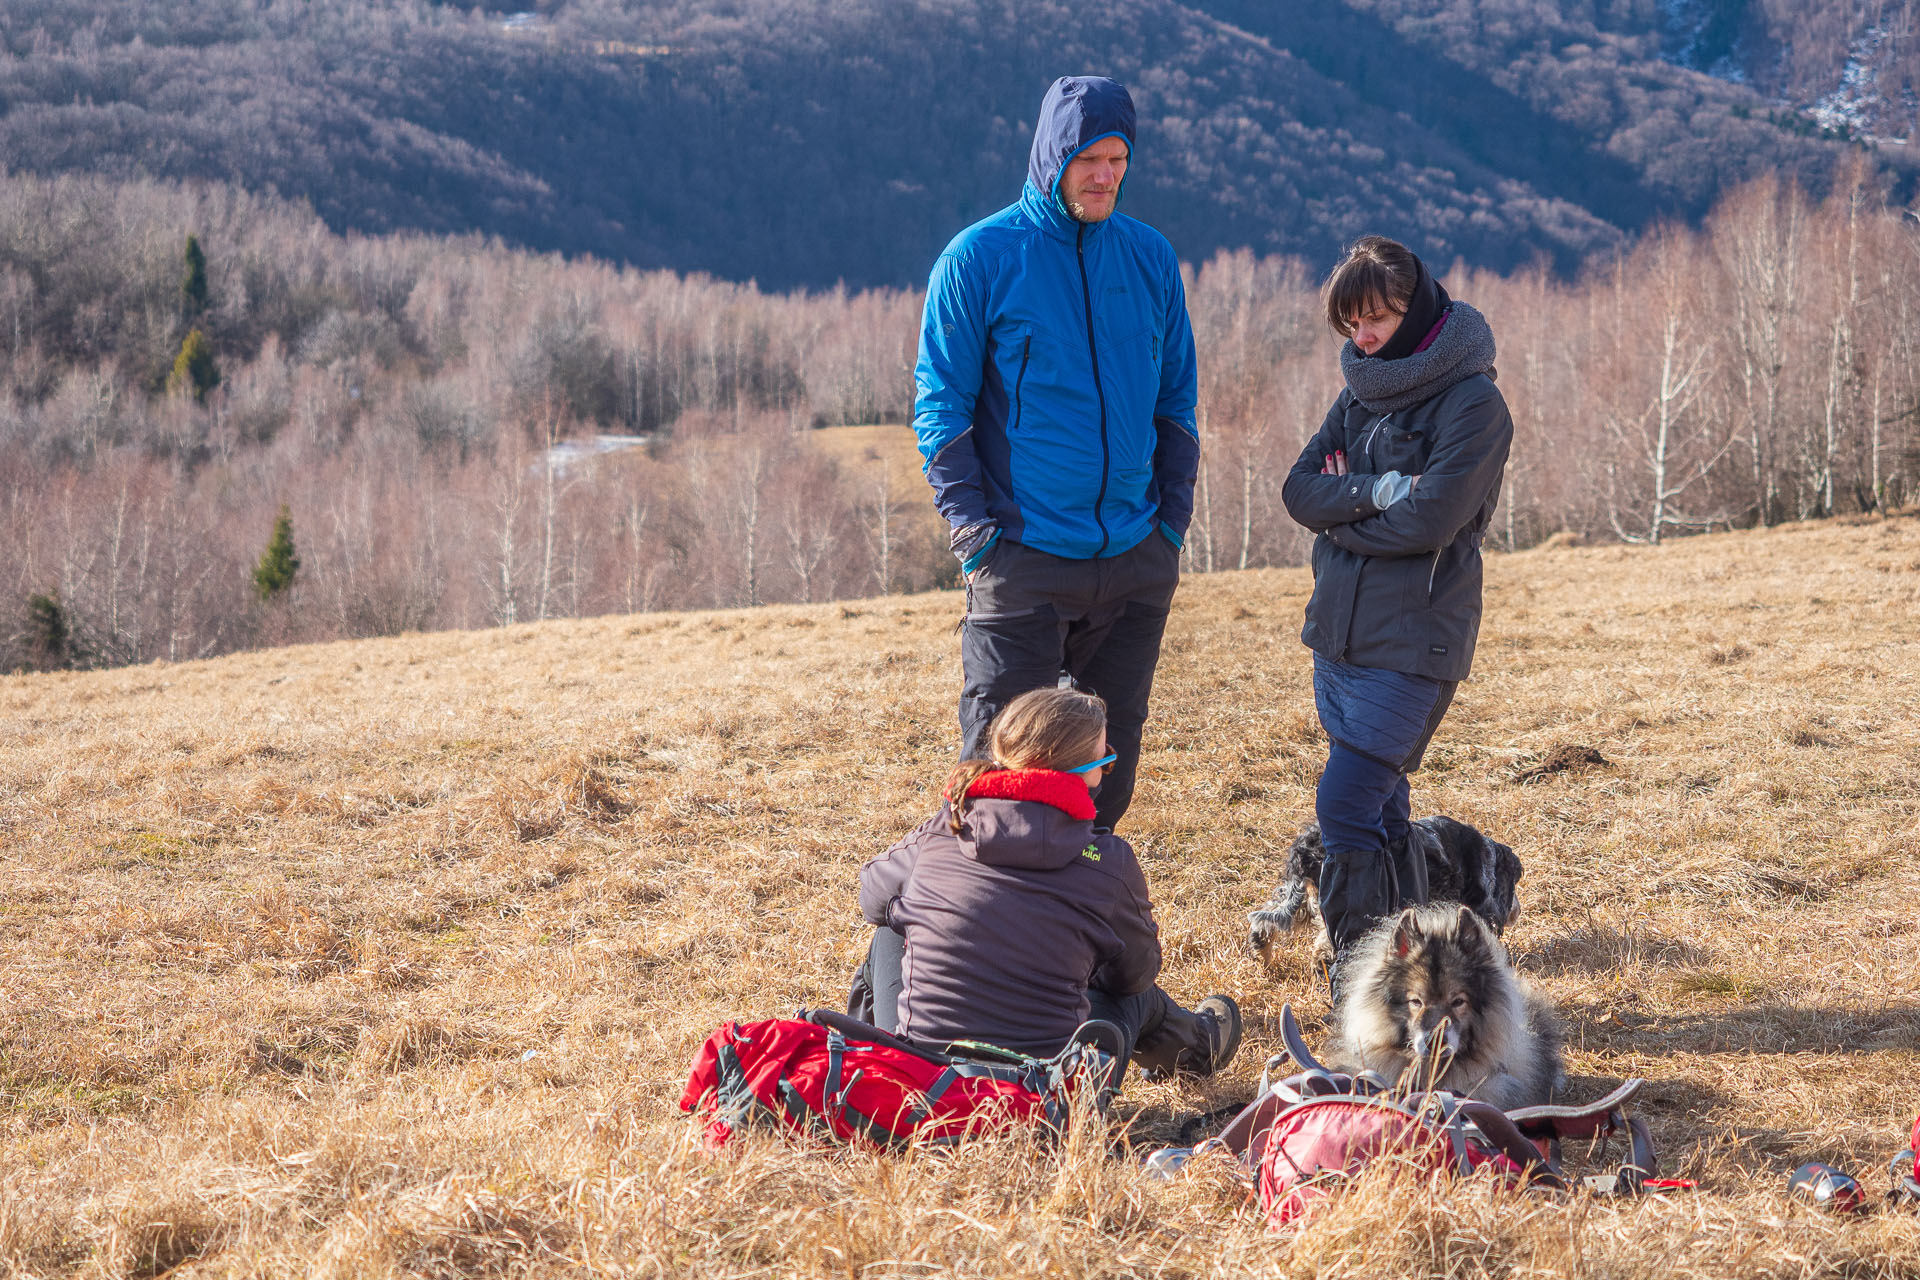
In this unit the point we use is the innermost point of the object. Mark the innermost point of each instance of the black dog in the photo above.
(1463, 866)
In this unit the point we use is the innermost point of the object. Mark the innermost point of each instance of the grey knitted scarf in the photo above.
(1464, 348)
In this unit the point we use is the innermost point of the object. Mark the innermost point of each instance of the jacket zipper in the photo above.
(1366, 446)
(1431, 574)
(1026, 353)
(1086, 295)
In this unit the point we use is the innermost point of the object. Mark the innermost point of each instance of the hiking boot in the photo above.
(1337, 969)
(1220, 1017)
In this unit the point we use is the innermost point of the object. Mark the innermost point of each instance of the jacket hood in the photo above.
(1032, 819)
(1077, 111)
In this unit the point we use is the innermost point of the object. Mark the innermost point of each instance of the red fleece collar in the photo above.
(1066, 792)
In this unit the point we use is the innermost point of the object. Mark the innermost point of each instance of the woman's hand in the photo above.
(1336, 464)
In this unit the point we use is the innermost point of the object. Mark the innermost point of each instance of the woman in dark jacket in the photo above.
(1399, 483)
(1008, 918)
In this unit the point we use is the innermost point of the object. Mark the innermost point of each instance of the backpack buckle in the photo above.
(1905, 1189)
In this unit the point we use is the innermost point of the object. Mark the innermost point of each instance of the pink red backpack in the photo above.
(1311, 1131)
(840, 1080)
(1906, 1170)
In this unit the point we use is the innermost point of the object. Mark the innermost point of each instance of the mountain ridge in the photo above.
(805, 144)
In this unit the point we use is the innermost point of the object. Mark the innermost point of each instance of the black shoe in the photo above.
(1221, 1017)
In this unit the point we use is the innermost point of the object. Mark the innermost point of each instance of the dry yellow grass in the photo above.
(882, 445)
(388, 958)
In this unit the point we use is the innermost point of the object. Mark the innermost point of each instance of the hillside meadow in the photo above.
(389, 957)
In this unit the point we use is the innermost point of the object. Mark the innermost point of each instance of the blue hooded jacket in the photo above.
(1055, 387)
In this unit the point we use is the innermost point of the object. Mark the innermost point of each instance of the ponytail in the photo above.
(964, 775)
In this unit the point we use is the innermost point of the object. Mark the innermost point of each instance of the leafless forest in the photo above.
(401, 397)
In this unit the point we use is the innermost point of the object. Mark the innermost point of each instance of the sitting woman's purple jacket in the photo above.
(1008, 923)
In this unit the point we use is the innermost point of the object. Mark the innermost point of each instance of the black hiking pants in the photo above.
(1032, 617)
(1160, 1033)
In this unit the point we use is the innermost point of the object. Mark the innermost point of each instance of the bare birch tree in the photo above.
(1662, 446)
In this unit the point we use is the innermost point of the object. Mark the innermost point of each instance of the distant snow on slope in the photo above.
(1871, 102)
(568, 454)
(1853, 106)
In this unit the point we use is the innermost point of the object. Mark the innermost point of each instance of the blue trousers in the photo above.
(1378, 726)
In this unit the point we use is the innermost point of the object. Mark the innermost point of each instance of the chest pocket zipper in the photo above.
(1366, 446)
(1026, 354)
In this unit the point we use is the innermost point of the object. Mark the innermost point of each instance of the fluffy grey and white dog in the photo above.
(1433, 999)
(1463, 866)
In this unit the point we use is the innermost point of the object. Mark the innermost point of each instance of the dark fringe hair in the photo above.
(1049, 728)
(1377, 271)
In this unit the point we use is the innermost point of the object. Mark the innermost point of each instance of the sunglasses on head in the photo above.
(1091, 765)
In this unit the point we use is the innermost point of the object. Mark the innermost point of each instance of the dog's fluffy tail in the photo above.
(1550, 1042)
(1275, 917)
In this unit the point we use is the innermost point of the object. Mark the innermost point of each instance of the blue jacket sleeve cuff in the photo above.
(972, 562)
(1167, 532)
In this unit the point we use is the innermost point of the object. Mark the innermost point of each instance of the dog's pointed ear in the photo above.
(1403, 933)
(1467, 928)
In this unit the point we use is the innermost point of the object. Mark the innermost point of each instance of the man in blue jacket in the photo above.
(1055, 397)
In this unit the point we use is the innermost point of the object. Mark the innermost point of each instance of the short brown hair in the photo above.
(1051, 728)
(1376, 271)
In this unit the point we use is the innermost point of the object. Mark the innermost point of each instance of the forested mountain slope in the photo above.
(1628, 74)
(800, 142)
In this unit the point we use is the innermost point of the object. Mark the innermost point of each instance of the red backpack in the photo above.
(1309, 1132)
(830, 1076)
(1906, 1171)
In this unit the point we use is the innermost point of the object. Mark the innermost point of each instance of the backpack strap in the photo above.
(1098, 1048)
(1644, 1163)
(1253, 1121)
(986, 1051)
(1906, 1188)
(1504, 1136)
(854, 1029)
(1630, 1178)
(1595, 1119)
(836, 1087)
(1278, 1095)
(1296, 1044)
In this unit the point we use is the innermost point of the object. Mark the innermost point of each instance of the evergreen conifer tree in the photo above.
(48, 634)
(194, 370)
(193, 280)
(278, 563)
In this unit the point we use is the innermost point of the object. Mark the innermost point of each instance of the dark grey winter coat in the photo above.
(1399, 589)
(1009, 923)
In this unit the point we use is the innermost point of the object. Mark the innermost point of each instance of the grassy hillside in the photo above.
(874, 449)
(389, 957)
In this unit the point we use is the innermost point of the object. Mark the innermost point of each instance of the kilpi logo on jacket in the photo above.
(1091, 853)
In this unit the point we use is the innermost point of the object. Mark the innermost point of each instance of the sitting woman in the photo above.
(1007, 918)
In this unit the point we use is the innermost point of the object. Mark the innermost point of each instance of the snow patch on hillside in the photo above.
(1853, 107)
